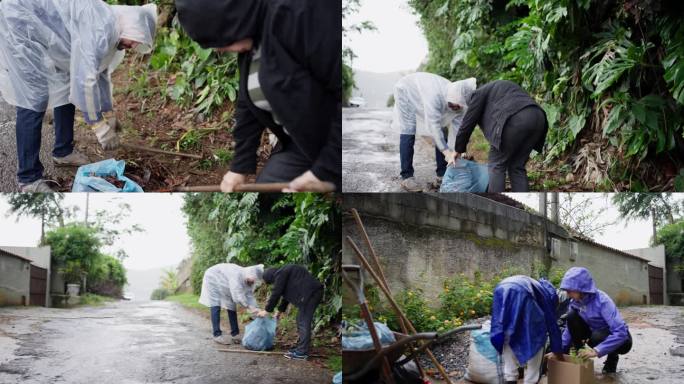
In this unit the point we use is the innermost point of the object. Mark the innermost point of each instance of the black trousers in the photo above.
(305, 315)
(581, 333)
(286, 164)
(520, 134)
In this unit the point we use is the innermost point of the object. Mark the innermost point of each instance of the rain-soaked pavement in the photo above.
(370, 152)
(130, 343)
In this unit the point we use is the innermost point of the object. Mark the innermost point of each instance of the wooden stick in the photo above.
(160, 151)
(394, 304)
(258, 187)
(258, 352)
(376, 259)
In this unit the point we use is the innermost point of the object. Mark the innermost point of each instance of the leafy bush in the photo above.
(160, 294)
(195, 76)
(75, 250)
(107, 277)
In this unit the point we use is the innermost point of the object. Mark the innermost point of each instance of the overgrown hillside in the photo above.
(610, 75)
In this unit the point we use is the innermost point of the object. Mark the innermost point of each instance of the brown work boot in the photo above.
(74, 159)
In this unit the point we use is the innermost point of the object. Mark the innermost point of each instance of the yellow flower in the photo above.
(433, 317)
(472, 312)
(440, 329)
(410, 293)
(447, 321)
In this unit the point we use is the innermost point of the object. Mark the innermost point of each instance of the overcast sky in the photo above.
(397, 45)
(164, 243)
(623, 235)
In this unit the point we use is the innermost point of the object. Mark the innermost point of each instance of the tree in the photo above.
(110, 226)
(672, 237)
(47, 206)
(169, 280)
(662, 207)
(579, 213)
(75, 250)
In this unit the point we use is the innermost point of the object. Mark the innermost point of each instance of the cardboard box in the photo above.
(567, 372)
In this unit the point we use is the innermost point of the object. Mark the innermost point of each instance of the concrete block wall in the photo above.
(15, 279)
(422, 240)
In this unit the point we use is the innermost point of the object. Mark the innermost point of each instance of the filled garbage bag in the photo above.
(361, 339)
(91, 178)
(259, 334)
(483, 359)
(465, 176)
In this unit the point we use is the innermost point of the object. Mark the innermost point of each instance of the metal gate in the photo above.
(38, 286)
(655, 285)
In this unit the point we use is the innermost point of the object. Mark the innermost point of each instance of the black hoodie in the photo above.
(293, 283)
(300, 73)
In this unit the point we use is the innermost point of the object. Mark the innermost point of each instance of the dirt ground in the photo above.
(147, 119)
(657, 355)
(131, 343)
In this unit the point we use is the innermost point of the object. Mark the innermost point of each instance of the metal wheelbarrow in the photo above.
(380, 361)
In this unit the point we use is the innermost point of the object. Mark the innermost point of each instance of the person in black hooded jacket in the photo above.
(294, 284)
(290, 63)
(513, 123)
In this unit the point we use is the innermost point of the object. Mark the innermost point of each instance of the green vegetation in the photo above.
(274, 230)
(76, 255)
(461, 299)
(93, 300)
(187, 300)
(672, 237)
(350, 7)
(612, 70)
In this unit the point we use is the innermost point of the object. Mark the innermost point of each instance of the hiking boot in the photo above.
(38, 186)
(411, 185)
(74, 159)
(236, 339)
(296, 356)
(610, 365)
(222, 339)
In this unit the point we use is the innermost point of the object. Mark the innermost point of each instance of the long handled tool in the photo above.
(259, 187)
(365, 313)
(395, 306)
(258, 352)
(376, 260)
(160, 151)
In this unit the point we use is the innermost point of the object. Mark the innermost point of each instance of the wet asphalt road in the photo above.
(130, 343)
(370, 152)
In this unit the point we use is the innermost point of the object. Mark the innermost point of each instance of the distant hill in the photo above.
(142, 282)
(374, 87)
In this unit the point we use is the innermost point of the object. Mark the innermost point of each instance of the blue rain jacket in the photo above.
(597, 309)
(524, 311)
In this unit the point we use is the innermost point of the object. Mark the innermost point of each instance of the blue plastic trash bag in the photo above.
(259, 334)
(337, 379)
(89, 177)
(465, 176)
(361, 339)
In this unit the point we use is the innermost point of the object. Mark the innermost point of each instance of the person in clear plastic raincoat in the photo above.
(60, 54)
(435, 102)
(225, 285)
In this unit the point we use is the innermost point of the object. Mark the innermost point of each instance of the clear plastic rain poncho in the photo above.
(423, 97)
(224, 285)
(56, 52)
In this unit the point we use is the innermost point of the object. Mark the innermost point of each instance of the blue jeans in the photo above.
(216, 322)
(406, 143)
(29, 127)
